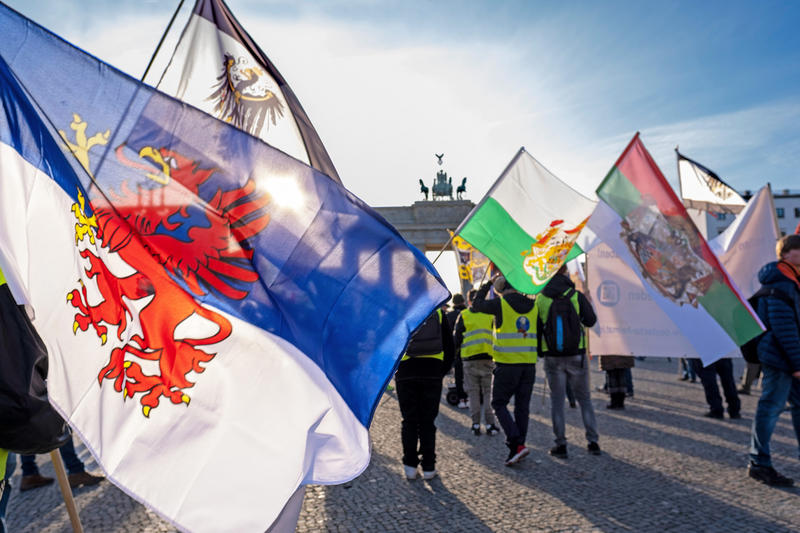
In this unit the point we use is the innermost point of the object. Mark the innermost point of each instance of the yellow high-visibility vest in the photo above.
(478, 328)
(515, 340)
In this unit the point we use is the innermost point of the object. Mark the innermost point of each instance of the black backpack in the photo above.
(562, 328)
(750, 348)
(427, 339)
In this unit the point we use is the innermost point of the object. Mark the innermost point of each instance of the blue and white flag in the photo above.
(219, 68)
(204, 298)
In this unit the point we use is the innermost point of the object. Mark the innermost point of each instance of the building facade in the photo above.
(787, 211)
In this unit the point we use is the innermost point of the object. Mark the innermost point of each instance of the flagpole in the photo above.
(161, 41)
(678, 167)
(452, 236)
(66, 491)
(774, 214)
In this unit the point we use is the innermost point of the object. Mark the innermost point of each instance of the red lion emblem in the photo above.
(144, 234)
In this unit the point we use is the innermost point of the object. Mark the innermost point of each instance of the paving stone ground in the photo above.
(664, 468)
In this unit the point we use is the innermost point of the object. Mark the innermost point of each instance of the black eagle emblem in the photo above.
(243, 98)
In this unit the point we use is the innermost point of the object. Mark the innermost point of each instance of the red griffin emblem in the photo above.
(157, 235)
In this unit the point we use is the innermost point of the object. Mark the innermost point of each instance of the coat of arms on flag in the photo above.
(529, 223)
(664, 247)
(245, 96)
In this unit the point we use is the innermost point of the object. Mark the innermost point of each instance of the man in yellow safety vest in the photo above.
(514, 353)
(473, 338)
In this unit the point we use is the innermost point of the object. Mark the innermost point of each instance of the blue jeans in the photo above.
(777, 387)
(71, 461)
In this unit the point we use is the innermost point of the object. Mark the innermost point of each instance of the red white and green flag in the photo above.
(529, 223)
(642, 219)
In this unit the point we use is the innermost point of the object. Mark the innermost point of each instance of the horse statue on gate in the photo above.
(461, 189)
(423, 189)
(442, 187)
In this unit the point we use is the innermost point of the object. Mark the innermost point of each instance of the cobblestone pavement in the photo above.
(664, 467)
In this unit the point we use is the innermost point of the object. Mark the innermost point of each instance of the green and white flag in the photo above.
(529, 223)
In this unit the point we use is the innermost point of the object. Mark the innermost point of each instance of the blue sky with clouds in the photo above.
(387, 84)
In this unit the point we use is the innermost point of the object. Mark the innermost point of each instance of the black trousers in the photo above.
(419, 406)
(517, 381)
(708, 377)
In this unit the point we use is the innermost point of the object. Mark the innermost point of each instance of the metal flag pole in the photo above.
(66, 491)
(161, 41)
(450, 240)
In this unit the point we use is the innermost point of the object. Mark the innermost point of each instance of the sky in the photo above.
(389, 83)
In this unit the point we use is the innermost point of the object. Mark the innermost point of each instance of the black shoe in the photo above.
(744, 391)
(573, 405)
(683, 378)
(613, 405)
(83, 479)
(34, 482)
(714, 414)
(593, 448)
(492, 430)
(768, 476)
(559, 451)
(735, 416)
(476, 429)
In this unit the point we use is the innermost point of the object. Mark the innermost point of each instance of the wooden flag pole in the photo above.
(66, 491)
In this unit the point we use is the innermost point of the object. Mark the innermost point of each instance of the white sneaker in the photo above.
(411, 471)
(428, 475)
(462, 404)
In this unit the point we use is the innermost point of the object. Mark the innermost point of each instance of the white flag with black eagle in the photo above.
(703, 189)
(218, 68)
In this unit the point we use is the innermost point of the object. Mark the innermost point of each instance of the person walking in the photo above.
(562, 313)
(779, 353)
(473, 341)
(514, 353)
(419, 390)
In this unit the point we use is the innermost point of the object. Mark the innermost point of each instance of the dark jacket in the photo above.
(452, 316)
(426, 368)
(557, 286)
(616, 362)
(518, 302)
(780, 346)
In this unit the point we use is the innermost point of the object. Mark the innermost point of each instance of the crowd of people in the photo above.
(496, 342)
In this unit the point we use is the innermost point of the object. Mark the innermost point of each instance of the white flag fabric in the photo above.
(529, 223)
(629, 322)
(703, 189)
(218, 68)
